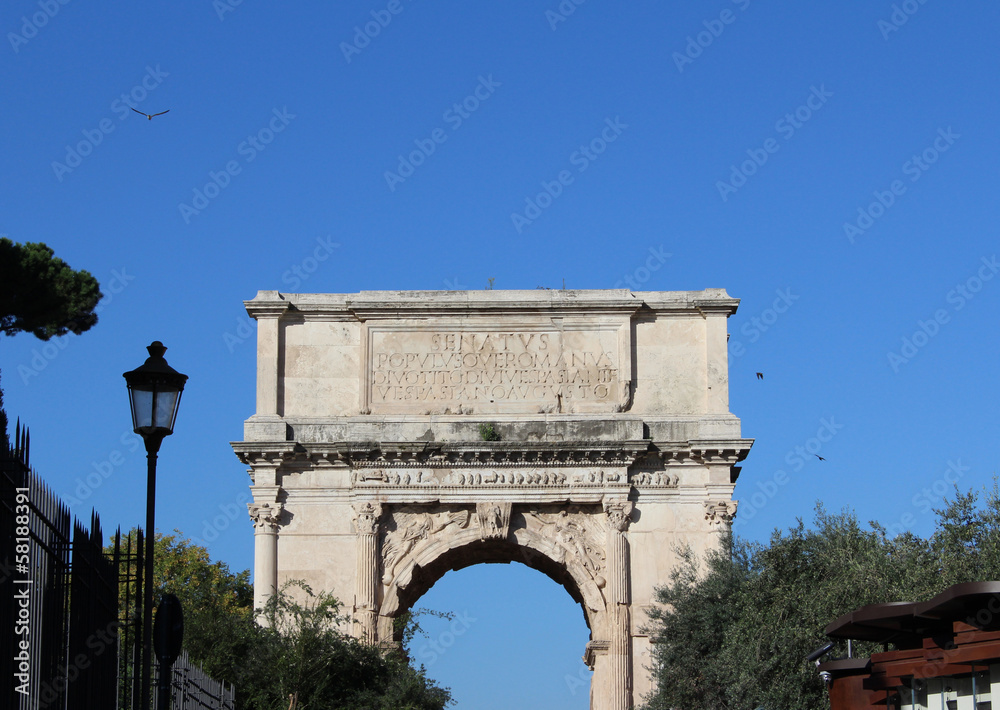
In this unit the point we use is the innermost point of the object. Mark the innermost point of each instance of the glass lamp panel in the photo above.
(165, 406)
(142, 408)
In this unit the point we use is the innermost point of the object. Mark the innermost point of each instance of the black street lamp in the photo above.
(154, 392)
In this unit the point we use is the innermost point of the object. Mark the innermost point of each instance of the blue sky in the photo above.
(833, 165)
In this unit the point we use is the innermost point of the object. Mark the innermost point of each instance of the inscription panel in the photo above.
(527, 369)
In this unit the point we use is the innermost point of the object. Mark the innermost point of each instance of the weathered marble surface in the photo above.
(399, 435)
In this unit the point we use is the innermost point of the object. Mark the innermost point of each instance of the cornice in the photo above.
(264, 453)
(267, 304)
(400, 305)
(642, 452)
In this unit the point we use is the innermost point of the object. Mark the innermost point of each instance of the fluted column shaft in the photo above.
(619, 600)
(366, 602)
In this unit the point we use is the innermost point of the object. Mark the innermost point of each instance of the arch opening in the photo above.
(409, 578)
(424, 576)
(518, 636)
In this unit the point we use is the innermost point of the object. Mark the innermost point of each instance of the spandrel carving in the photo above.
(407, 529)
(578, 533)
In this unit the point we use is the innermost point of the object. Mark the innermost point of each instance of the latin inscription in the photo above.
(530, 368)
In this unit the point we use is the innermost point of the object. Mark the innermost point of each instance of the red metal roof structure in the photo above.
(947, 652)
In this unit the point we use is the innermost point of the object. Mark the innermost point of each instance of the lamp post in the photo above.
(154, 392)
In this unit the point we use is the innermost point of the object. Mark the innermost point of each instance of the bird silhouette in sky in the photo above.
(819, 457)
(149, 115)
(760, 375)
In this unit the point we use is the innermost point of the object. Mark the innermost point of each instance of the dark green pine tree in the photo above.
(40, 294)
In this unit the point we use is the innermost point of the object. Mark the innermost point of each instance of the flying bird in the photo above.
(149, 115)
(760, 375)
(819, 457)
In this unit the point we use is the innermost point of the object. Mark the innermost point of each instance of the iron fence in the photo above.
(192, 689)
(70, 614)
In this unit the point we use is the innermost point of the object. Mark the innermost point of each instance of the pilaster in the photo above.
(267, 308)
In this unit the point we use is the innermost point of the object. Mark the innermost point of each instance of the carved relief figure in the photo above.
(599, 477)
(411, 529)
(494, 520)
(371, 475)
(575, 532)
(655, 478)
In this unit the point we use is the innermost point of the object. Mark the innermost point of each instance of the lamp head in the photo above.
(154, 391)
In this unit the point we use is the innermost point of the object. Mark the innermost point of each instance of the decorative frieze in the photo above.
(648, 467)
(464, 477)
(654, 479)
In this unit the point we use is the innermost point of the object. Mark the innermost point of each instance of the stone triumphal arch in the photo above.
(399, 435)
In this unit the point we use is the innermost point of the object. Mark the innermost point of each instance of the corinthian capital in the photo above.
(265, 516)
(720, 512)
(619, 514)
(366, 517)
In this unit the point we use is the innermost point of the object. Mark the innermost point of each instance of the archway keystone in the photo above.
(400, 435)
